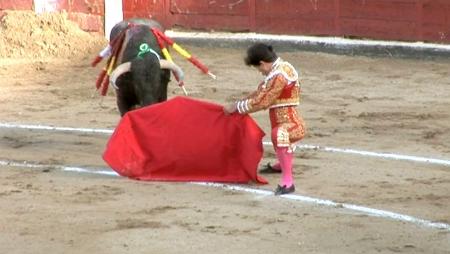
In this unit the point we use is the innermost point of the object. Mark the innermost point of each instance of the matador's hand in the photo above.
(229, 108)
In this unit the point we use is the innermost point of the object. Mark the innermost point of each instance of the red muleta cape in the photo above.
(184, 139)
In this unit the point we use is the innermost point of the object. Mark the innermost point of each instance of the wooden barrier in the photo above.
(87, 13)
(402, 20)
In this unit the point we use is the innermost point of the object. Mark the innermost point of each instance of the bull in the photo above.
(142, 74)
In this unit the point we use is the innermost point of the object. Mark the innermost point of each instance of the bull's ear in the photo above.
(119, 70)
(172, 66)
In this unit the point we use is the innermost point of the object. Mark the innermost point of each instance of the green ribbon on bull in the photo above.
(144, 49)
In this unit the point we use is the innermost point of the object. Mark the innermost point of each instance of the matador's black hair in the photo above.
(260, 52)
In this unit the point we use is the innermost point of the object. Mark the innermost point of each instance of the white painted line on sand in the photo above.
(323, 202)
(338, 41)
(53, 128)
(25, 164)
(301, 146)
(372, 154)
(365, 210)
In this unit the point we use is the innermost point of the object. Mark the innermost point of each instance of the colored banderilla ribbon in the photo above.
(114, 48)
(168, 57)
(112, 51)
(161, 36)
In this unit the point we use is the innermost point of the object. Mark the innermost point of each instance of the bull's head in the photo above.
(125, 67)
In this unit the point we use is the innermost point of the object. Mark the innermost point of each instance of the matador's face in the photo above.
(264, 67)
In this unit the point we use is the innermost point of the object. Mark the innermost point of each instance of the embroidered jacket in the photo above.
(280, 88)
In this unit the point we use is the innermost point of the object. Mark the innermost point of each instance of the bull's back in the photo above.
(119, 27)
(138, 36)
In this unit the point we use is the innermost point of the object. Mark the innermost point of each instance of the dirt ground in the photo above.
(388, 105)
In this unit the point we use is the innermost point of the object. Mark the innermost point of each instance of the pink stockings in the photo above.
(285, 158)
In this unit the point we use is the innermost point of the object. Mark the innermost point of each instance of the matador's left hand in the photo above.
(229, 108)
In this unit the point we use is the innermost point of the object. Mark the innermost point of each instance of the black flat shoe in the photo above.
(268, 169)
(280, 190)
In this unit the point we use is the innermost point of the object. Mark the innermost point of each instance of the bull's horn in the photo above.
(172, 66)
(119, 70)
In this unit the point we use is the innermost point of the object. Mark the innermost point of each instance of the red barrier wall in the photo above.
(16, 4)
(405, 20)
(87, 13)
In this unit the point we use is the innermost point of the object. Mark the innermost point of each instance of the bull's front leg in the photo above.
(122, 105)
(165, 79)
(126, 100)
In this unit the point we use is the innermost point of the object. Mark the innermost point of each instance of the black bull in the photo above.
(142, 74)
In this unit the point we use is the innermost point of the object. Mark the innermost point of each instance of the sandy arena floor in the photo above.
(384, 105)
